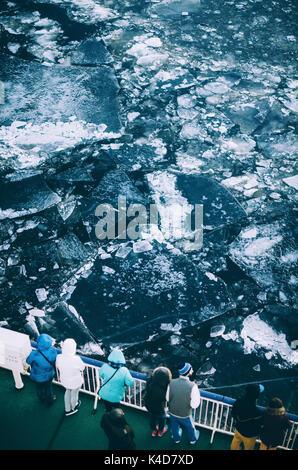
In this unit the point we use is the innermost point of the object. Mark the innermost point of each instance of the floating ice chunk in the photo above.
(282, 297)
(186, 101)
(240, 183)
(290, 257)
(36, 312)
(13, 260)
(152, 60)
(13, 47)
(169, 327)
(260, 246)
(108, 270)
(217, 87)
(257, 368)
(41, 294)
(193, 131)
(31, 325)
(91, 348)
(123, 251)
(217, 330)
(292, 181)
(211, 276)
(66, 208)
(258, 335)
(206, 369)
(233, 335)
(153, 42)
(174, 339)
(132, 116)
(250, 233)
(238, 145)
(141, 245)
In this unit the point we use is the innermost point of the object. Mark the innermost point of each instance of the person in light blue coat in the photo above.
(42, 361)
(115, 376)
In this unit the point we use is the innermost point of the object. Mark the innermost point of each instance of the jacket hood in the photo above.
(117, 357)
(69, 347)
(44, 342)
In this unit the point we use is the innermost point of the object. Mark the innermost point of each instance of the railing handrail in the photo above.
(137, 375)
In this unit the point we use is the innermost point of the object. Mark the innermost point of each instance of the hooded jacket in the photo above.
(114, 390)
(276, 422)
(70, 365)
(41, 369)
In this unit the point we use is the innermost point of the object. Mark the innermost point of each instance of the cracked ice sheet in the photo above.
(44, 138)
(85, 11)
(48, 109)
(258, 335)
(254, 250)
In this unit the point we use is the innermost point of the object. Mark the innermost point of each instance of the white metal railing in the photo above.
(212, 414)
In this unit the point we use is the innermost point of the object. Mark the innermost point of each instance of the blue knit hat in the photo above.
(185, 369)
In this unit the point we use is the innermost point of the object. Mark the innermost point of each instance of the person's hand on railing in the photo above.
(26, 367)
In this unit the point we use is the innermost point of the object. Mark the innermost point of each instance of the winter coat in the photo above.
(41, 369)
(156, 389)
(70, 365)
(114, 390)
(248, 417)
(275, 424)
(119, 433)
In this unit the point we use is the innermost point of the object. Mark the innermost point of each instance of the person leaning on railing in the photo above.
(249, 418)
(155, 399)
(115, 376)
(275, 424)
(183, 396)
(42, 361)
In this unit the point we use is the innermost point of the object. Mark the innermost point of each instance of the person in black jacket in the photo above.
(275, 424)
(248, 417)
(155, 399)
(119, 433)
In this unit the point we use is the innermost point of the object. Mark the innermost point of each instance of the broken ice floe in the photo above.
(259, 336)
(85, 11)
(58, 107)
(257, 249)
(142, 288)
(292, 181)
(25, 197)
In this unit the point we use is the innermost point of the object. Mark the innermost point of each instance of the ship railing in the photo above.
(214, 412)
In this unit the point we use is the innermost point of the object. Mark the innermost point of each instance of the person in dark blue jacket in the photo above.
(42, 361)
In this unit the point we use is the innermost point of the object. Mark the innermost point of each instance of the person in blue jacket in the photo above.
(115, 376)
(42, 361)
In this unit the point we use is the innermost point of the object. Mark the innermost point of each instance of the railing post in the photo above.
(214, 423)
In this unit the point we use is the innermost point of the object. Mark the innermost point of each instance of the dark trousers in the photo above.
(45, 391)
(157, 419)
(109, 405)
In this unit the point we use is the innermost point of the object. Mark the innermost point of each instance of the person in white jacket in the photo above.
(70, 367)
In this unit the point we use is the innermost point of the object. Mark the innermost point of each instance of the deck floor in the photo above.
(28, 425)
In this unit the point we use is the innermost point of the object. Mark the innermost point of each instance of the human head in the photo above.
(69, 347)
(275, 403)
(44, 342)
(162, 376)
(116, 415)
(116, 359)
(185, 369)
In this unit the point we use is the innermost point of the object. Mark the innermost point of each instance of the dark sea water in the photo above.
(166, 103)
